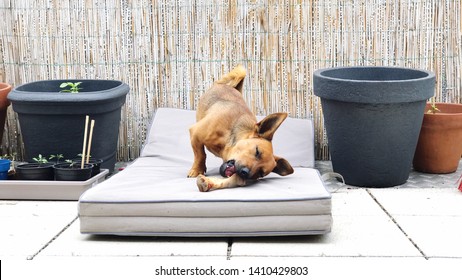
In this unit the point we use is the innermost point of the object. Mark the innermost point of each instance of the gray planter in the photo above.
(373, 117)
(53, 122)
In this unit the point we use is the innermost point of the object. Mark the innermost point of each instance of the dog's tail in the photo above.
(235, 78)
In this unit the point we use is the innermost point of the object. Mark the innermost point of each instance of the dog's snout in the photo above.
(244, 173)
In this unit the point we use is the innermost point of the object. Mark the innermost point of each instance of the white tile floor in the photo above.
(431, 217)
(28, 226)
(392, 222)
(72, 243)
(361, 228)
(402, 225)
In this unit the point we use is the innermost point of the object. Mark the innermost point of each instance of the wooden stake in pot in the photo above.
(87, 118)
(85, 151)
(90, 137)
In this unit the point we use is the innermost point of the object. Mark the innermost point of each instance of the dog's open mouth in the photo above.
(228, 168)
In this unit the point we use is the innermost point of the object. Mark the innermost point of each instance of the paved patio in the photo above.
(419, 222)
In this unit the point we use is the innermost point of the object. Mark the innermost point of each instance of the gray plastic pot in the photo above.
(70, 172)
(35, 171)
(53, 122)
(373, 117)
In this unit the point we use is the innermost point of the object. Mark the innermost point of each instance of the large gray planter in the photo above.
(53, 122)
(373, 117)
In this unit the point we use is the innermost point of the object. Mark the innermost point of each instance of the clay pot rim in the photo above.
(5, 87)
(442, 106)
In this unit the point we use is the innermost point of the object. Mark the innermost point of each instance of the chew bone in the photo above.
(206, 184)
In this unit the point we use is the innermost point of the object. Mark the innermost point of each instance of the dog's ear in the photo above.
(268, 126)
(283, 167)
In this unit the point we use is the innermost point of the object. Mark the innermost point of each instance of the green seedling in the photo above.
(11, 157)
(433, 109)
(71, 162)
(57, 157)
(80, 155)
(40, 159)
(73, 87)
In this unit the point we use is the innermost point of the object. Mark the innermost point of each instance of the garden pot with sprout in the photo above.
(439, 148)
(52, 121)
(95, 162)
(35, 171)
(40, 169)
(72, 172)
(373, 117)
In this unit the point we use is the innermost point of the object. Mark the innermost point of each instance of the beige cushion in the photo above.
(153, 196)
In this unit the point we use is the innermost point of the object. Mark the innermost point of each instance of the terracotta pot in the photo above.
(440, 142)
(4, 103)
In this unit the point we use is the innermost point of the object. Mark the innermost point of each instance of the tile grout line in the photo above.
(52, 239)
(396, 223)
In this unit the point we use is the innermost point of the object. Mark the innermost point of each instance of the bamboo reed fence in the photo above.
(170, 51)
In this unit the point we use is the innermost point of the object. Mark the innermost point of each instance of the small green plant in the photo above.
(71, 162)
(73, 87)
(11, 157)
(40, 159)
(433, 109)
(57, 157)
(81, 156)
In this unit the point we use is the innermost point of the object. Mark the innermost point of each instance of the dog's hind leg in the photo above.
(206, 184)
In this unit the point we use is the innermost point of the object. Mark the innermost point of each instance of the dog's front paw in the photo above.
(193, 173)
(204, 184)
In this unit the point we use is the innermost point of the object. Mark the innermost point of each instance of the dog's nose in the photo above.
(244, 173)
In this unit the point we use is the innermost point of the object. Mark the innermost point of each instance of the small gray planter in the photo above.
(373, 117)
(53, 122)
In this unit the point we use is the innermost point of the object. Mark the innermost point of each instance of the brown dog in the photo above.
(229, 130)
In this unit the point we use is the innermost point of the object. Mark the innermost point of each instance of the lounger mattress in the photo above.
(153, 196)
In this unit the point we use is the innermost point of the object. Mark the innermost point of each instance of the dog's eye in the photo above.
(257, 153)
